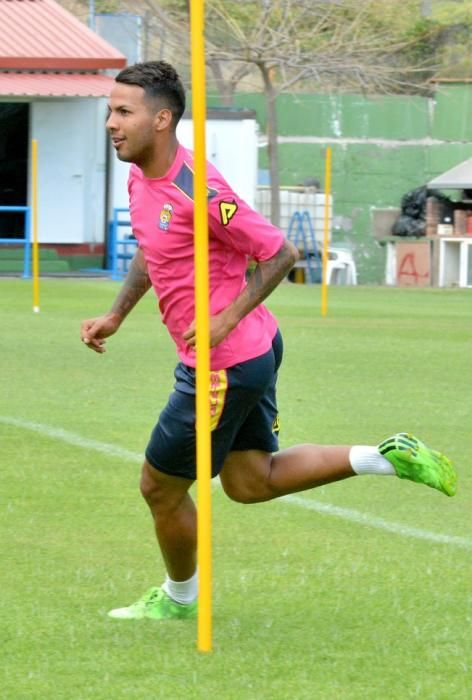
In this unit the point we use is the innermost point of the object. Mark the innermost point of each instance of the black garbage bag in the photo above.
(412, 220)
(408, 226)
(414, 203)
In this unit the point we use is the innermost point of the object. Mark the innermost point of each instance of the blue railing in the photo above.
(121, 250)
(25, 241)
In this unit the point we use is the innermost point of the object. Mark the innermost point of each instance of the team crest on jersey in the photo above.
(165, 217)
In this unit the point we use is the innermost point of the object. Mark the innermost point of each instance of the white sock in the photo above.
(366, 459)
(183, 592)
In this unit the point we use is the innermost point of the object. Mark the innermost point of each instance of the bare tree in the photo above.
(326, 44)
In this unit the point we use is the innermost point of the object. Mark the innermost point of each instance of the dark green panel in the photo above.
(309, 115)
(386, 117)
(389, 117)
(299, 161)
(453, 112)
(442, 157)
(392, 162)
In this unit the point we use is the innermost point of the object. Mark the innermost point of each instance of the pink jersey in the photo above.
(162, 221)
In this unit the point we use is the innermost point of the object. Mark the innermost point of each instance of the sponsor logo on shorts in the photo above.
(276, 424)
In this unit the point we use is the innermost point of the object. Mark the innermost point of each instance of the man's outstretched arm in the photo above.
(94, 331)
(266, 277)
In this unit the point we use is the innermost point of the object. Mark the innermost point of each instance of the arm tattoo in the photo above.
(135, 286)
(269, 274)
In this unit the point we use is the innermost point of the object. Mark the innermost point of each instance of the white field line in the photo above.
(73, 439)
(349, 514)
(356, 516)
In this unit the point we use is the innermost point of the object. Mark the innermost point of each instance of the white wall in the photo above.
(118, 183)
(71, 169)
(231, 146)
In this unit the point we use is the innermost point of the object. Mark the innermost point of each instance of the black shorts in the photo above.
(243, 414)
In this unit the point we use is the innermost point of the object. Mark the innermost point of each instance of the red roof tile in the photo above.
(55, 84)
(41, 35)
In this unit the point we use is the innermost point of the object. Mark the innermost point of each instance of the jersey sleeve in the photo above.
(239, 226)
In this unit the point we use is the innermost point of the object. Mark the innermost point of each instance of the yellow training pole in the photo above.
(202, 316)
(327, 218)
(34, 203)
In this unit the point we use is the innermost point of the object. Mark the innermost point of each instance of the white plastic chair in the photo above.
(341, 267)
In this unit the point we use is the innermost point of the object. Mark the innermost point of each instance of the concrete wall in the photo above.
(382, 148)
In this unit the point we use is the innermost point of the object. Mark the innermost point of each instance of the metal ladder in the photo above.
(302, 235)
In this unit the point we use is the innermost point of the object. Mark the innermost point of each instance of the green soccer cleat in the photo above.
(156, 605)
(412, 460)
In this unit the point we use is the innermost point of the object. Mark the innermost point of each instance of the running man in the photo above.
(145, 106)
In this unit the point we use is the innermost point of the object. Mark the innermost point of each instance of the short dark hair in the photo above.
(158, 80)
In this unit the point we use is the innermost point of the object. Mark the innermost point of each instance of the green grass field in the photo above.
(361, 590)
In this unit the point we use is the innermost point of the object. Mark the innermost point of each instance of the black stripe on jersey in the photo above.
(184, 182)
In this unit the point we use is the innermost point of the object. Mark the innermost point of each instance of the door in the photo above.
(62, 129)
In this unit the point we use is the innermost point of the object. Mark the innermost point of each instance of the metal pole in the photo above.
(34, 207)
(327, 215)
(91, 17)
(197, 22)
